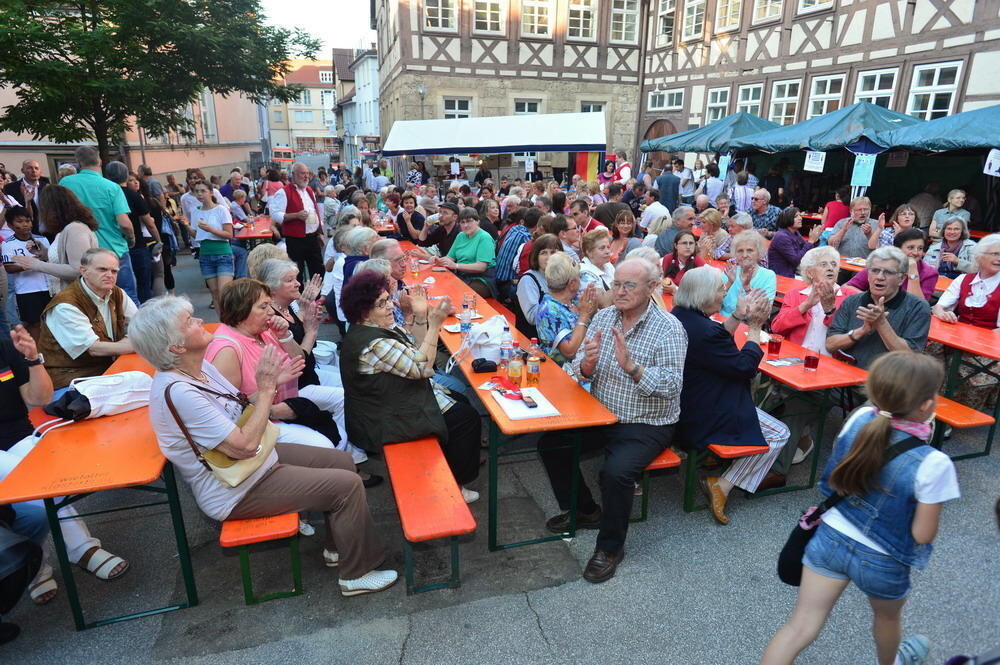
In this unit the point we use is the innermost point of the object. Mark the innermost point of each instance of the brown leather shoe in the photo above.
(602, 566)
(717, 500)
(772, 480)
(560, 523)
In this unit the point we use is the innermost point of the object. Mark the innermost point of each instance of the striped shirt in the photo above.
(512, 242)
(658, 343)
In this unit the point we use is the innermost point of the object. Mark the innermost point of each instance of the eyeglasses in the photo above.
(628, 286)
(878, 272)
(383, 303)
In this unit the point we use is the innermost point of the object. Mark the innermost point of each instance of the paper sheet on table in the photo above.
(516, 409)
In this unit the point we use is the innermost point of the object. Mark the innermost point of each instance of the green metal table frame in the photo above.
(952, 382)
(297, 588)
(496, 445)
(454, 577)
(177, 517)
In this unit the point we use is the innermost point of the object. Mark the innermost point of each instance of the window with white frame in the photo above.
(326, 76)
(303, 116)
(488, 16)
(457, 107)
(748, 98)
(326, 99)
(784, 102)
(305, 98)
(812, 5)
(876, 87)
(536, 18)
(279, 116)
(329, 118)
(666, 100)
(694, 18)
(208, 121)
(933, 90)
(666, 16)
(582, 19)
(718, 104)
(526, 106)
(440, 14)
(624, 21)
(765, 10)
(591, 107)
(727, 15)
(826, 94)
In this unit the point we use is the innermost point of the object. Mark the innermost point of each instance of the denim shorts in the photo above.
(832, 554)
(220, 265)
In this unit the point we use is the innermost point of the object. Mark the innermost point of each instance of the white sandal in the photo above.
(102, 562)
(331, 559)
(38, 590)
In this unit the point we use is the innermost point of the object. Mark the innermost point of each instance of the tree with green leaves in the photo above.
(88, 69)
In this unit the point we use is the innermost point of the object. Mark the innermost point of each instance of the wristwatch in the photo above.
(850, 334)
(40, 360)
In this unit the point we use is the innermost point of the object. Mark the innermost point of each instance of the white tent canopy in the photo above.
(551, 132)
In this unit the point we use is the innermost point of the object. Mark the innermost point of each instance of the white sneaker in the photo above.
(306, 529)
(331, 559)
(371, 582)
(470, 496)
(357, 454)
(803, 455)
(913, 651)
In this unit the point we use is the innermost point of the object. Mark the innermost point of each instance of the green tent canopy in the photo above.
(854, 127)
(713, 137)
(963, 131)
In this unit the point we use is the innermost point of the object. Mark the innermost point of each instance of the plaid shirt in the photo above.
(767, 219)
(512, 242)
(658, 342)
(393, 357)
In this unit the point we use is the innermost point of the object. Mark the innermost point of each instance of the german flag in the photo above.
(6, 375)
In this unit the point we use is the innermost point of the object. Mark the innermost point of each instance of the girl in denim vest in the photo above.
(887, 519)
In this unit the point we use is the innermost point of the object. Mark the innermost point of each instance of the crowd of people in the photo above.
(637, 285)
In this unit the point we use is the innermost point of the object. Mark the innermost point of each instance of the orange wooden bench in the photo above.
(668, 459)
(722, 452)
(959, 416)
(243, 533)
(429, 503)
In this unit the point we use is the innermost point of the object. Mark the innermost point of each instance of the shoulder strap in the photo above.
(894, 451)
(187, 435)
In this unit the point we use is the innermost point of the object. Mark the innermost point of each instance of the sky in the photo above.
(337, 23)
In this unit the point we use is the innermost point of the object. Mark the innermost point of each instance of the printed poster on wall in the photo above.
(815, 160)
(864, 168)
(529, 166)
(455, 168)
(993, 163)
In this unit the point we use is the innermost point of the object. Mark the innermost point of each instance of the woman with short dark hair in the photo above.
(788, 246)
(389, 395)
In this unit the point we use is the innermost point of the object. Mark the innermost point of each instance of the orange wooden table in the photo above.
(577, 407)
(89, 456)
(262, 229)
(845, 264)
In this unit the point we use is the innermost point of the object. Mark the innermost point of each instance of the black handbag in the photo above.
(790, 557)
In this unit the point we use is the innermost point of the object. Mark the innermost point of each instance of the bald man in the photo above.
(25, 191)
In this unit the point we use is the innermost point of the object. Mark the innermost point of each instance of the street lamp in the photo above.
(421, 90)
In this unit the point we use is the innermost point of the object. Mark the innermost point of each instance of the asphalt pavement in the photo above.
(689, 591)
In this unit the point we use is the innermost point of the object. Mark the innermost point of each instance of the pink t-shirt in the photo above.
(249, 353)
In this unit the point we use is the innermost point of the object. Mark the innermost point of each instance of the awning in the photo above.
(977, 129)
(551, 132)
(854, 127)
(713, 137)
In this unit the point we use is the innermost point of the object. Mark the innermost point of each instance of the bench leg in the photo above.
(454, 577)
(248, 594)
(694, 458)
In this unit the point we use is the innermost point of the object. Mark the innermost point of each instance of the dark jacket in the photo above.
(668, 185)
(716, 404)
(13, 190)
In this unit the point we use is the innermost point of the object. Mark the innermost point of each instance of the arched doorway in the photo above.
(656, 130)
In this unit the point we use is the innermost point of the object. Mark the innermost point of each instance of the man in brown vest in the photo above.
(84, 325)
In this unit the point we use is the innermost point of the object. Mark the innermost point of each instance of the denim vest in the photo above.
(885, 514)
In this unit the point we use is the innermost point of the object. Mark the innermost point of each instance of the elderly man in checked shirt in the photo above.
(634, 355)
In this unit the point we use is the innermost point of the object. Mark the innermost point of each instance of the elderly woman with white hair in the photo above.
(748, 247)
(738, 223)
(357, 246)
(807, 313)
(655, 228)
(975, 299)
(291, 477)
(331, 206)
(564, 313)
(717, 373)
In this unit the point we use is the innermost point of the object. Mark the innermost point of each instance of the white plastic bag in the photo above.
(109, 394)
(483, 341)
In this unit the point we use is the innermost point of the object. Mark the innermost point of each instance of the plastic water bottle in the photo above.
(535, 350)
(515, 366)
(465, 321)
(506, 347)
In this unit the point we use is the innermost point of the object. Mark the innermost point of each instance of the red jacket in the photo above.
(792, 324)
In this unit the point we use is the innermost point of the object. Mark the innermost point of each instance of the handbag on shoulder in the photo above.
(230, 472)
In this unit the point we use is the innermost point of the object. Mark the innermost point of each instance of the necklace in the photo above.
(203, 378)
(256, 338)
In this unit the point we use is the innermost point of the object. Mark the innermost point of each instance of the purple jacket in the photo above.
(786, 251)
